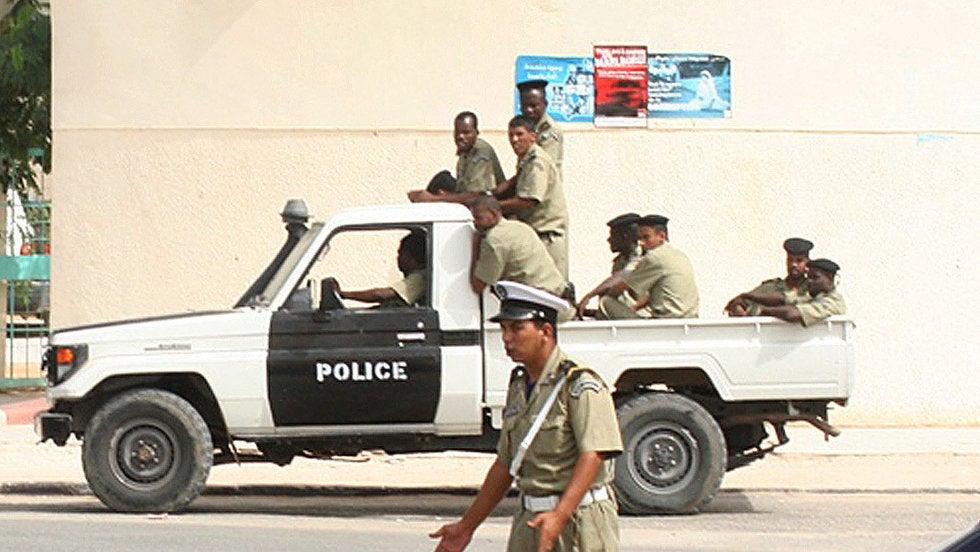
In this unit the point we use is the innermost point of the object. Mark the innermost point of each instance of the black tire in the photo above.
(674, 455)
(147, 451)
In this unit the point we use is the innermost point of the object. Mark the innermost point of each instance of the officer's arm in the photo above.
(617, 286)
(456, 536)
(422, 196)
(516, 204)
(768, 300)
(476, 283)
(505, 189)
(599, 290)
(788, 313)
(376, 295)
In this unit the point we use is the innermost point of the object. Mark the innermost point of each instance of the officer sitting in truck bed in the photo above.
(792, 289)
(824, 300)
(410, 290)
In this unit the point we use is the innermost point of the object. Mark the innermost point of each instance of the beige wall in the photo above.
(182, 127)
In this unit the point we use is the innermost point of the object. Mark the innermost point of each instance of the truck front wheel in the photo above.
(674, 455)
(147, 451)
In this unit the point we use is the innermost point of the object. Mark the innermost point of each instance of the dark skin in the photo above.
(819, 282)
(530, 343)
(795, 277)
(533, 104)
(465, 134)
(621, 242)
(650, 238)
(483, 219)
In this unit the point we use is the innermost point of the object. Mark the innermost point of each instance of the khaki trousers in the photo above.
(557, 247)
(593, 528)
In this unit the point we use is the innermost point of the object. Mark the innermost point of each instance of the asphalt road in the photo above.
(756, 521)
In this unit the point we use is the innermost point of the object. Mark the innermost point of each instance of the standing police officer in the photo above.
(559, 433)
(536, 195)
(534, 105)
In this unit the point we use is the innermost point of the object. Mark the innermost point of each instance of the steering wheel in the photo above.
(329, 298)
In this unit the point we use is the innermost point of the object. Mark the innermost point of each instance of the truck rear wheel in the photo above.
(147, 451)
(674, 455)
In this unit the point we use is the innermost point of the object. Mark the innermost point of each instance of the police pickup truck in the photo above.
(295, 371)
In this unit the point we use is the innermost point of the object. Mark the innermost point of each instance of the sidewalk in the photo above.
(941, 460)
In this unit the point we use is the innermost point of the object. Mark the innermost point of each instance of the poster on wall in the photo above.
(570, 85)
(620, 85)
(689, 86)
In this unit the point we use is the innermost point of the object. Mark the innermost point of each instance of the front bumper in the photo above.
(53, 425)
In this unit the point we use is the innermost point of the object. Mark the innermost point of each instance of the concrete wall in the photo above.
(182, 127)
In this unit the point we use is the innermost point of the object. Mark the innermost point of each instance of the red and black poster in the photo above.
(620, 85)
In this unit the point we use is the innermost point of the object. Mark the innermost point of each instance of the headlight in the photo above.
(61, 361)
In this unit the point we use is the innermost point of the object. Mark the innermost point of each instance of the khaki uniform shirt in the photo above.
(551, 139)
(411, 288)
(777, 286)
(478, 170)
(512, 251)
(582, 419)
(538, 179)
(667, 276)
(627, 261)
(821, 306)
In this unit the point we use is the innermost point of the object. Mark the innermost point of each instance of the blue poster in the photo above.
(571, 85)
(689, 86)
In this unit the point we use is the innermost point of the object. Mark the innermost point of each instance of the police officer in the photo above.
(662, 283)
(478, 169)
(792, 289)
(536, 195)
(824, 300)
(410, 290)
(623, 236)
(509, 250)
(559, 433)
(534, 105)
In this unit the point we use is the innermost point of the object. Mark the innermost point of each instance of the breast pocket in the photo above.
(555, 439)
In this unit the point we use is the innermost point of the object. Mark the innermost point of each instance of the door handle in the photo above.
(411, 336)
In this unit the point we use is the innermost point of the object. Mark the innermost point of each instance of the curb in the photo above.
(81, 489)
(22, 412)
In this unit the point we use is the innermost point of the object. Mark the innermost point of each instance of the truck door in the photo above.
(356, 366)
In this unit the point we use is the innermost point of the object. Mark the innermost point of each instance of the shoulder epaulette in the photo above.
(516, 373)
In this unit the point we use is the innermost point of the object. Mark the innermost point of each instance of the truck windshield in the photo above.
(285, 268)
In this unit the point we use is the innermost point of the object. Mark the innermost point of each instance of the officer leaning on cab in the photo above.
(558, 437)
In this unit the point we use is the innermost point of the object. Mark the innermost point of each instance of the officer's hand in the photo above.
(737, 310)
(549, 526)
(580, 308)
(454, 537)
(416, 196)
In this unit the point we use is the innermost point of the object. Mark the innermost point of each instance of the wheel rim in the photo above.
(665, 457)
(143, 454)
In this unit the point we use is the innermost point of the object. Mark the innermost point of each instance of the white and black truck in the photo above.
(296, 372)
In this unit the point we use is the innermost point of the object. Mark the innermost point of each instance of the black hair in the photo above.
(486, 202)
(522, 121)
(414, 245)
(466, 115)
